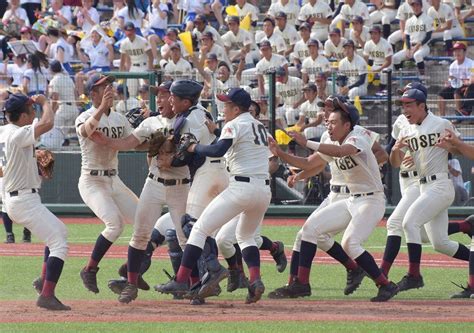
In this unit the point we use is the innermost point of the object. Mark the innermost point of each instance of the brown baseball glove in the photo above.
(45, 160)
(161, 144)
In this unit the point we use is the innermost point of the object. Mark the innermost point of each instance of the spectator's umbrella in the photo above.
(187, 40)
(246, 22)
(232, 11)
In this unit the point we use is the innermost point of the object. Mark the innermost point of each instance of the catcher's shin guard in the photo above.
(174, 250)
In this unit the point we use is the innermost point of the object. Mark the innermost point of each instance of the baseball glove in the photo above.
(186, 140)
(160, 144)
(45, 160)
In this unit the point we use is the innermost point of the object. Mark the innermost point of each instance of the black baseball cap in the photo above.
(280, 71)
(305, 25)
(281, 15)
(16, 102)
(414, 85)
(201, 18)
(358, 18)
(164, 86)
(98, 79)
(310, 86)
(268, 18)
(312, 42)
(264, 43)
(129, 26)
(348, 42)
(376, 28)
(207, 34)
(232, 18)
(187, 89)
(237, 96)
(412, 95)
(55, 66)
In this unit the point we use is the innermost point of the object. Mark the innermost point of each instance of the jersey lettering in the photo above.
(112, 132)
(263, 135)
(423, 141)
(345, 163)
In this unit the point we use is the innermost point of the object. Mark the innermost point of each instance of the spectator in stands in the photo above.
(125, 101)
(455, 172)
(469, 14)
(290, 8)
(276, 40)
(301, 51)
(170, 39)
(289, 92)
(201, 26)
(239, 42)
(209, 46)
(311, 114)
(315, 63)
(350, 9)
(359, 33)
(177, 67)
(460, 83)
(446, 25)
(31, 7)
(378, 54)
(36, 77)
(59, 49)
(269, 62)
(404, 12)
(288, 32)
(333, 46)
(62, 93)
(131, 13)
(87, 16)
(15, 71)
(244, 8)
(60, 13)
(217, 9)
(319, 15)
(194, 8)
(15, 17)
(158, 18)
(322, 85)
(354, 68)
(385, 12)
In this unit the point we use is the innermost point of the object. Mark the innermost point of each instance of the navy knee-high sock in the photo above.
(7, 223)
(53, 272)
(101, 247)
(251, 256)
(392, 247)
(307, 253)
(414, 259)
(462, 253)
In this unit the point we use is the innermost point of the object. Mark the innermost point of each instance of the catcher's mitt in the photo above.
(160, 144)
(186, 140)
(45, 160)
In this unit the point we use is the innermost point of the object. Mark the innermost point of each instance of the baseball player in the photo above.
(177, 66)
(385, 13)
(162, 186)
(358, 215)
(269, 62)
(349, 10)
(290, 8)
(354, 67)
(314, 63)
(244, 138)
(430, 209)
(268, 33)
(333, 47)
(319, 15)
(288, 32)
(21, 183)
(135, 55)
(418, 31)
(99, 185)
(300, 51)
(404, 12)
(289, 91)
(446, 25)
(359, 33)
(237, 41)
(378, 54)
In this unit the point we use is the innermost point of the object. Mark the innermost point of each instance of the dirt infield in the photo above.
(224, 311)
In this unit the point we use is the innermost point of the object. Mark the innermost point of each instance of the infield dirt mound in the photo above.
(225, 311)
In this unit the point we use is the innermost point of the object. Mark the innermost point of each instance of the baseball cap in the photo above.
(305, 25)
(265, 43)
(16, 102)
(172, 30)
(164, 86)
(237, 96)
(312, 42)
(232, 18)
(280, 71)
(129, 26)
(419, 2)
(211, 56)
(459, 46)
(412, 95)
(186, 89)
(310, 86)
(376, 28)
(358, 18)
(55, 66)
(335, 31)
(143, 88)
(175, 46)
(207, 34)
(414, 85)
(348, 42)
(96, 80)
(268, 18)
(201, 18)
(281, 15)
(122, 89)
(330, 99)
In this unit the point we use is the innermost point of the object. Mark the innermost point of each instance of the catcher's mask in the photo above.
(135, 117)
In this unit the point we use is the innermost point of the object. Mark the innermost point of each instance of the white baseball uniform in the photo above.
(137, 51)
(311, 111)
(334, 51)
(235, 43)
(289, 93)
(181, 69)
(320, 9)
(404, 12)
(386, 14)
(378, 54)
(265, 66)
(289, 34)
(290, 9)
(276, 41)
(99, 184)
(67, 112)
(313, 66)
(442, 15)
(349, 12)
(21, 183)
(247, 9)
(353, 69)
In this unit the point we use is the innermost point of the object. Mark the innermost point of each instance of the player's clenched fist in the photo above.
(273, 146)
(108, 99)
(39, 99)
(400, 144)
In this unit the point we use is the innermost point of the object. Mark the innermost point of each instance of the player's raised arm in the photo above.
(306, 163)
(451, 142)
(46, 123)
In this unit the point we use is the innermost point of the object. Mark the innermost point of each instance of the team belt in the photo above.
(432, 178)
(108, 173)
(339, 189)
(215, 161)
(358, 195)
(139, 64)
(169, 182)
(247, 180)
(17, 193)
(408, 174)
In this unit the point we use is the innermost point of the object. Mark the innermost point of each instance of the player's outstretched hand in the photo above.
(273, 146)
(211, 126)
(298, 137)
(448, 140)
(291, 180)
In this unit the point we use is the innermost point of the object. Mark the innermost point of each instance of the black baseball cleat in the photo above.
(410, 282)
(89, 278)
(210, 281)
(466, 292)
(26, 236)
(51, 303)
(354, 279)
(142, 284)
(236, 280)
(117, 285)
(129, 293)
(38, 285)
(10, 238)
(256, 290)
(280, 257)
(172, 287)
(294, 289)
(386, 292)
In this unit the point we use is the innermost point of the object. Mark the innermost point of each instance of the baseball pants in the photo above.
(164, 223)
(419, 55)
(386, 16)
(448, 34)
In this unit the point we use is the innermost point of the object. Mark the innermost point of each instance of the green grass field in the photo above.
(328, 281)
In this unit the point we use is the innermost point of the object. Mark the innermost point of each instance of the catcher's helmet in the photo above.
(135, 117)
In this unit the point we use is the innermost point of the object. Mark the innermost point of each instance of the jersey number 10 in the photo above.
(263, 135)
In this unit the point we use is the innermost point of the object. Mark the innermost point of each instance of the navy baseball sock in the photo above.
(471, 270)
(367, 262)
(232, 262)
(266, 244)
(146, 259)
(133, 266)
(238, 257)
(462, 253)
(157, 238)
(191, 255)
(45, 263)
(212, 245)
(53, 272)
(294, 263)
(386, 31)
(454, 228)
(7, 223)
(251, 257)
(414, 259)
(307, 253)
(101, 247)
(392, 247)
(194, 277)
(337, 252)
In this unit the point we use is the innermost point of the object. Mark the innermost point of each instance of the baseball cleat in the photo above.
(354, 279)
(198, 301)
(142, 284)
(10, 239)
(89, 278)
(386, 292)
(26, 236)
(410, 282)
(172, 287)
(51, 303)
(280, 257)
(466, 292)
(236, 280)
(38, 285)
(210, 281)
(117, 285)
(294, 289)
(256, 290)
(129, 293)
